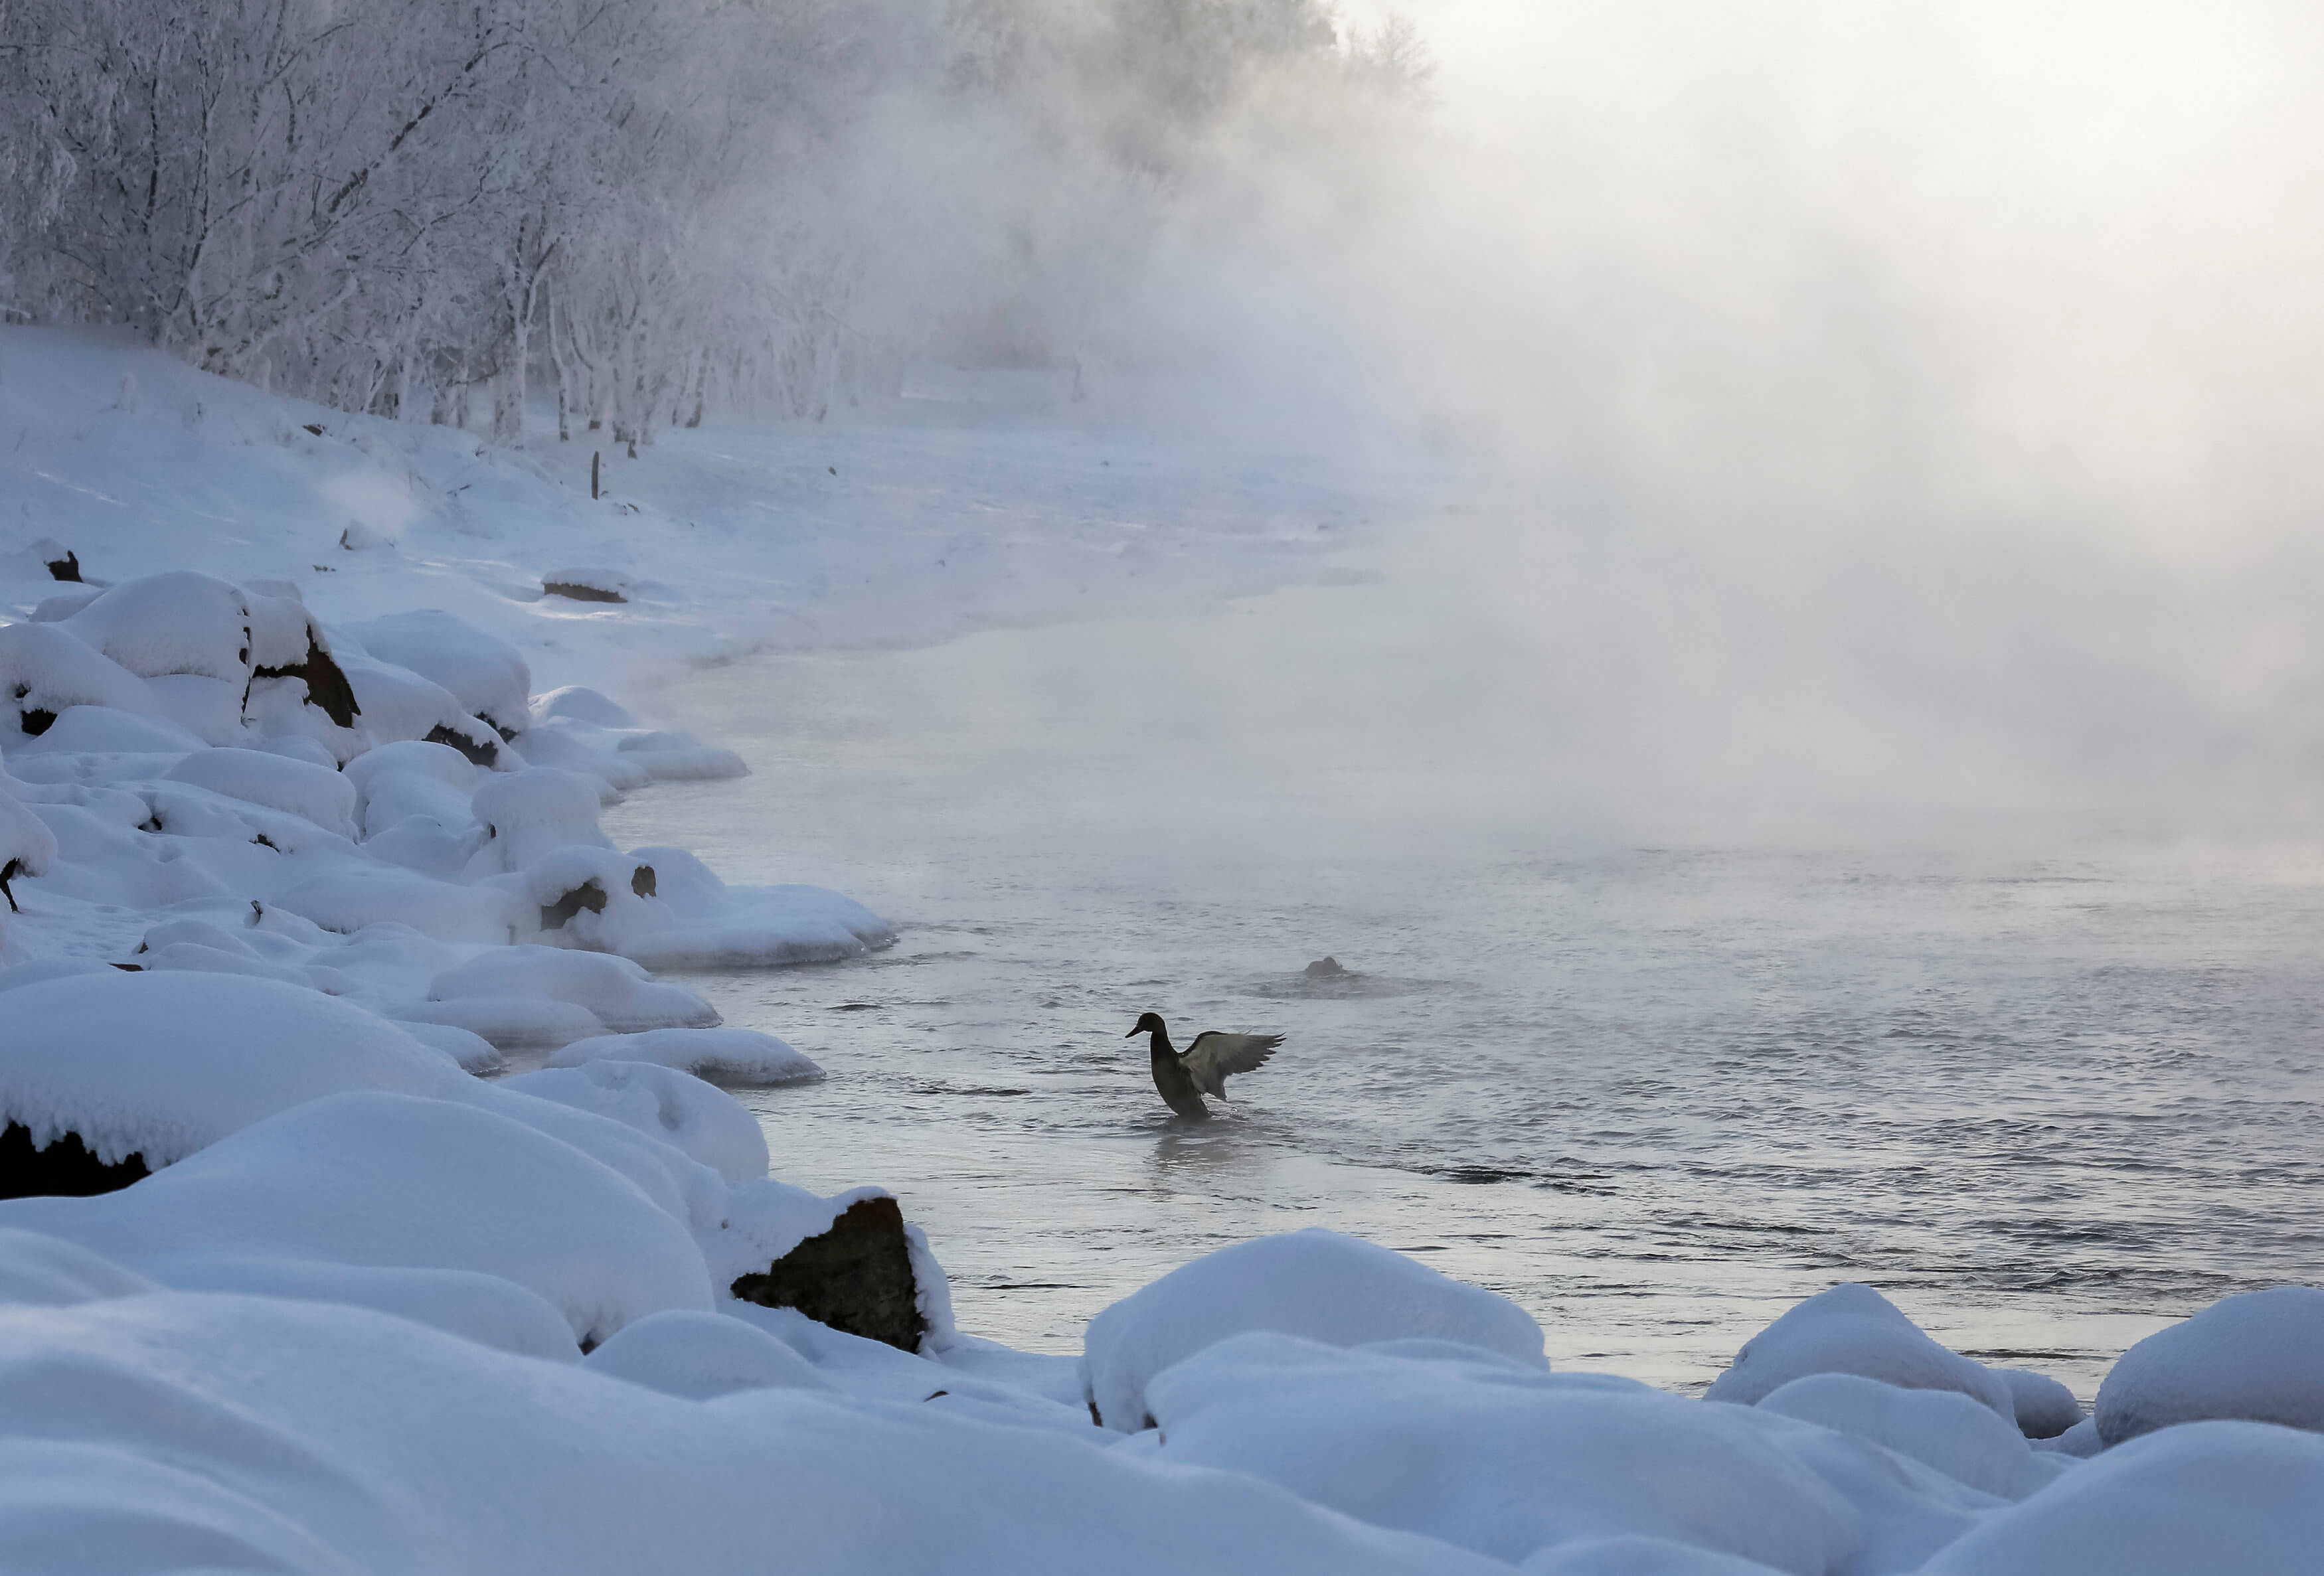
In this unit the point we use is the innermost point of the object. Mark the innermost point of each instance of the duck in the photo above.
(1206, 1066)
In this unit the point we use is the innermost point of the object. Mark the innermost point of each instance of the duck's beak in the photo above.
(1130, 1035)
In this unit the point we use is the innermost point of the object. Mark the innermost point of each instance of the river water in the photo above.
(2047, 1102)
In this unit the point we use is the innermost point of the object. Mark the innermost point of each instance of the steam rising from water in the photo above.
(1869, 416)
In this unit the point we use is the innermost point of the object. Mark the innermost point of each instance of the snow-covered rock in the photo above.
(663, 1103)
(701, 1355)
(264, 778)
(1500, 1463)
(397, 1182)
(721, 1056)
(1319, 1285)
(2245, 1497)
(616, 991)
(162, 1065)
(486, 675)
(1852, 1329)
(1961, 1438)
(530, 814)
(2259, 1356)
(258, 1434)
(2044, 1407)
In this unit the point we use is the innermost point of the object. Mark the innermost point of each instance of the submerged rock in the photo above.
(64, 1170)
(856, 1276)
(1324, 967)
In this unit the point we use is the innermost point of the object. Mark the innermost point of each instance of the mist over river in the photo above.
(2047, 1093)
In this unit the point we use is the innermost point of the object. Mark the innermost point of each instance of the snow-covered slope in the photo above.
(301, 811)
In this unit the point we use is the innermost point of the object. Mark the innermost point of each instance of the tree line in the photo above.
(422, 208)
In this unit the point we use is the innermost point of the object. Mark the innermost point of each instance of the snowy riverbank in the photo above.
(315, 767)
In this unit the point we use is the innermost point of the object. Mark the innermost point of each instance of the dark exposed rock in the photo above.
(856, 1276)
(641, 880)
(574, 592)
(476, 750)
(588, 895)
(65, 1167)
(66, 568)
(37, 721)
(1323, 968)
(327, 686)
(8, 873)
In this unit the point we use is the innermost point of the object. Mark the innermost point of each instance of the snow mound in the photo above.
(661, 1102)
(2245, 1497)
(714, 926)
(535, 812)
(582, 705)
(1852, 1329)
(395, 1182)
(279, 783)
(190, 1432)
(2044, 1407)
(352, 897)
(1319, 1285)
(1636, 1556)
(161, 1064)
(616, 991)
(43, 1271)
(721, 1056)
(699, 1356)
(176, 621)
(486, 675)
(486, 1309)
(504, 1023)
(2259, 1356)
(1495, 1461)
(1944, 1429)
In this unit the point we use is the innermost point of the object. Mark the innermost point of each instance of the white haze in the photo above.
(1870, 419)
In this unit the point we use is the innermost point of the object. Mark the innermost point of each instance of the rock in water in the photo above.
(65, 1169)
(856, 1276)
(1325, 969)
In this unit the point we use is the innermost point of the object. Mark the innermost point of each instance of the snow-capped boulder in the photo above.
(532, 813)
(737, 1056)
(261, 776)
(581, 705)
(2246, 1498)
(2044, 1407)
(858, 1274)
(588, 583)
(395, 1180)
(701, 1355)
(27, 846)
(661, 1102)
(412, 778)
(487, 1309)
(488, 676)
(157, 1065)
(710, 925)
(1852, 1329)
(350, 899)
(2259, 1356)
(398, 705)
(262, 1434)
(46, 671)
(1959, 1437)
(1319, 1285)
(616, 991)
(176, 621)
(1500, 1463)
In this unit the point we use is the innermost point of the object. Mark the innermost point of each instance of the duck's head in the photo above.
(1147, 1023)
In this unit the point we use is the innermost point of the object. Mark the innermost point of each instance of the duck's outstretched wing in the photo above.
(1214, 1056)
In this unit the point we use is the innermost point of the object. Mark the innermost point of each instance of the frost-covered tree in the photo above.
(419, 206)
